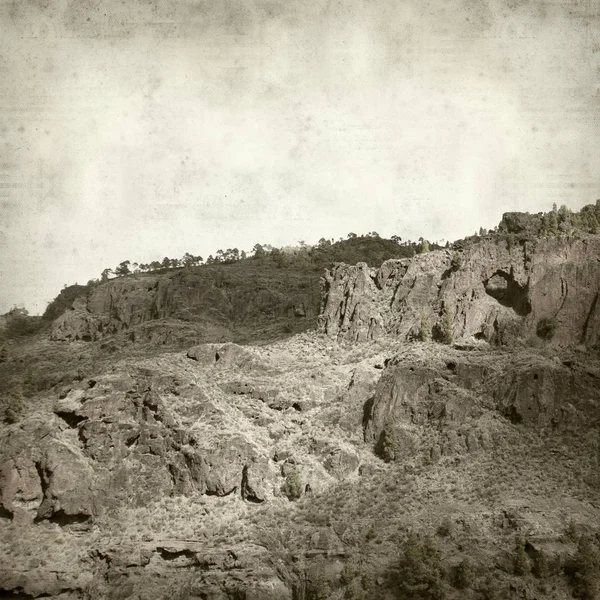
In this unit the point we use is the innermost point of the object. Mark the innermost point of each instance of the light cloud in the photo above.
(137, 130)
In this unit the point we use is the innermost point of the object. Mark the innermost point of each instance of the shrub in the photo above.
(292, 486)
(387, 445)
(489, 590)
(586, 569)
(419, 572)
(443, 328)
(541, 569)
(546, 328)
(572, 531)
(318, 586)
(356, 580)
(19, 323)
(456, 262)
(424, 333)
(463, 575)
(355, 591)
(445, 528)
(521, 564)
(12, 406)
(350, 571)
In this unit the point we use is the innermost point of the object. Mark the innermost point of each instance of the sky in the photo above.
(138, 129)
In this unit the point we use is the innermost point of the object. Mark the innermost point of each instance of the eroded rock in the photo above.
(487, 290)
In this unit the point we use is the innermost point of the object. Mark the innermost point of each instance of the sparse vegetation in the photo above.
(463, 576)
(387, 445)
(20, 324)
(546, 328)
(369, 248)
(292, 487)
(12, 404)
(541, 568)
(442, 332)
(419, 572)
(457, 260)
(489, 589)
(318, 585)
(521, 562)
(424, 333)
(445, 528)
(365, 511)
(585, 569)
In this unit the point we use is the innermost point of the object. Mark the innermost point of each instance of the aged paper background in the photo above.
(139, 129)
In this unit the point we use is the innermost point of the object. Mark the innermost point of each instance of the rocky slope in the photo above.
(301, 469)
(487, 290)
(254, 299)
(162, 477)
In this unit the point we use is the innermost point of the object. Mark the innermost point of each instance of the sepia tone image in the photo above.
(299, 300)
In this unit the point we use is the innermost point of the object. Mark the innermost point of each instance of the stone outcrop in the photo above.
(113, 440)
(454, 398)
(162, 475)
(212, 302)
(44, 476)
(487, 290)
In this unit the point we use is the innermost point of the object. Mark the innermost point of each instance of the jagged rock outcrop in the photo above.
(113, 441)
(454, 398)
(211, 302)
(173, 569)
(489, 289)
(44, 476)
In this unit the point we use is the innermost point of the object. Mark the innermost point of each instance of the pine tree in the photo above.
(586, 579)
(446, 330)
(419, 573)
(553, 223)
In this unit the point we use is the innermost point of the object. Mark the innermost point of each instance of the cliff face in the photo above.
(442, 402)
(217, 302)
(488, 290)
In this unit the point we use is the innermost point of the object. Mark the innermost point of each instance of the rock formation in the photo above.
(487, 290)
(213, 303)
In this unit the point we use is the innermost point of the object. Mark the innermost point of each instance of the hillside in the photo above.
(431, 440)
(262, 298)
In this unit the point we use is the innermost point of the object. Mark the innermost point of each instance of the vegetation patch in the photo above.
(546, 328)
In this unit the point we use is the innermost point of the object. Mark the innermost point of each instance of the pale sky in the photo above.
(141, 129)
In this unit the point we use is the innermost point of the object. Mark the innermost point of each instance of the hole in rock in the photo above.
(502, 287)
(175, 554)
(71, 419)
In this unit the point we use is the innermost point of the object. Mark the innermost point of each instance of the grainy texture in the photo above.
(131, 130)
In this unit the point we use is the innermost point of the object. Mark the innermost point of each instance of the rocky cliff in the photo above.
(494, 289)
(210, 304)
